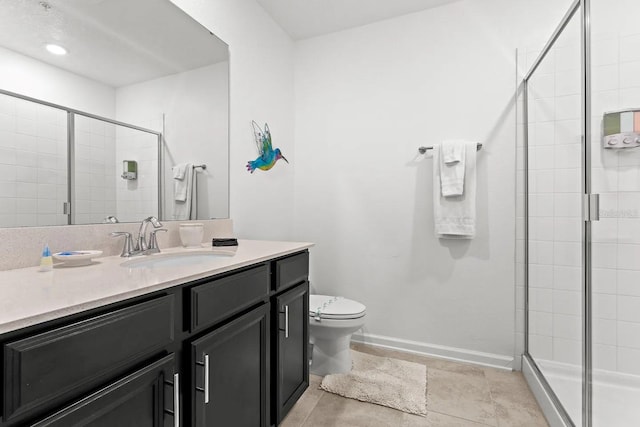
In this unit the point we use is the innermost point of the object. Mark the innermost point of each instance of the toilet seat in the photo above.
(336, 308)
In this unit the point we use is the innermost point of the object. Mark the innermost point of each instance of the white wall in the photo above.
(261, 88)
(365, 100)
(27, 76)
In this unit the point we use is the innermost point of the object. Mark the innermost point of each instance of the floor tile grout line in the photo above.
(461, 418)
(304, 421)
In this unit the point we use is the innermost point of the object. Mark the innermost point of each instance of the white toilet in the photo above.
(332, 320)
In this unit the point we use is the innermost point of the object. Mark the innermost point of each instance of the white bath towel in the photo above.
(455, 216)
(452, 167)
(188, 207)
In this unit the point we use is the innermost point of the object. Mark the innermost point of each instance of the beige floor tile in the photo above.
(337, 411)
(515, 404)
(460, 395)
(305, 405)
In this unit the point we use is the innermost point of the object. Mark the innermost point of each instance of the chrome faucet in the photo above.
(141, 240)
(141, 247)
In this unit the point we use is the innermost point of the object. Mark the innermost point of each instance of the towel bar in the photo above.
(203, 166)
(423, 150)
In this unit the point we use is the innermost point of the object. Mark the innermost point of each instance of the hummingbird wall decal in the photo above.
(268, 156)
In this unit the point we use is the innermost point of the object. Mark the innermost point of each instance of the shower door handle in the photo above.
(591, 207)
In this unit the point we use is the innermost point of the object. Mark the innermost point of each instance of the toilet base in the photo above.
(331, 356)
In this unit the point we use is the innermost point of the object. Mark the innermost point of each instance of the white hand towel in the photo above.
(179, 171)
(453, 151)
(181, 185)
(455, 217)
(452, 167)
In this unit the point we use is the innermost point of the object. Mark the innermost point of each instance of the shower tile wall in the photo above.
(95, 184)
(616, 176)
(555, 254)
(33, 165)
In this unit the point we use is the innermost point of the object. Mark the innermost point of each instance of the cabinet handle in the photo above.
(286, 321)
(176, 400)
(206, 378)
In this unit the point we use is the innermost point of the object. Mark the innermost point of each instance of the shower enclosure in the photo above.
(579, 216)
(60, 166)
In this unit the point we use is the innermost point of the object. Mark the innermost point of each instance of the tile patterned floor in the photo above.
(458, 395)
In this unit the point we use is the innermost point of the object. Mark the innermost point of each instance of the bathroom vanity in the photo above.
(220, 342)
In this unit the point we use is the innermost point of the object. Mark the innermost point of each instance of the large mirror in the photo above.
(132, 121)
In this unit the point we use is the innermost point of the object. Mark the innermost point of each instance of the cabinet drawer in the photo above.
(216, 300)
(63, 363)
(292, 270)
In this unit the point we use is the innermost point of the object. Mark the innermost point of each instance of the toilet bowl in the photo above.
(332, 321)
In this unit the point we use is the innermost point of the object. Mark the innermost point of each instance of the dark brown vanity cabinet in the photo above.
(228, 350)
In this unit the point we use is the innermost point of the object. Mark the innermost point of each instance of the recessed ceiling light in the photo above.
(56, 50)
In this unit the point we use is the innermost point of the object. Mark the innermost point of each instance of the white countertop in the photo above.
(29, 296)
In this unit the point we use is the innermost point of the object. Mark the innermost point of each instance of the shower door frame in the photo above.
(589, 213)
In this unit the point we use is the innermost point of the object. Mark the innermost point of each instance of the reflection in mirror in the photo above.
(145, 67)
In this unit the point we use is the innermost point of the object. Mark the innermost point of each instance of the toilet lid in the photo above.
(330, 307)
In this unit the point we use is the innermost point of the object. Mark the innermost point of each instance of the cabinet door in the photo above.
(145, 398)
(292, 311)
(231, 373)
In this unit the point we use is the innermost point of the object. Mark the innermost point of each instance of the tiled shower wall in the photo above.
(137, 199)
(616, 176)
(33, 168)
(555, 251)
(95, 171)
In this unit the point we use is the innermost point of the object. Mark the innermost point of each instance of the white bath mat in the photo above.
(389, 382)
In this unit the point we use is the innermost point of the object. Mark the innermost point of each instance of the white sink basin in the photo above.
(175, 260)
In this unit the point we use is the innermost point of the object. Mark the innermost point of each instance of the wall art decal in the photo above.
(268, 156)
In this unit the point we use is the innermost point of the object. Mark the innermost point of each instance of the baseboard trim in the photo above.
(434, 350)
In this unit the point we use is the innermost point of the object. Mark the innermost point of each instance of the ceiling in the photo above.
(309, 18)
(116, 42)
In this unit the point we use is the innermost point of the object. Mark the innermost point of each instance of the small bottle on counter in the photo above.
(46, 261)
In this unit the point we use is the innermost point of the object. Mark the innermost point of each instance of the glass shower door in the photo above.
(554, 218)
(615, 175)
